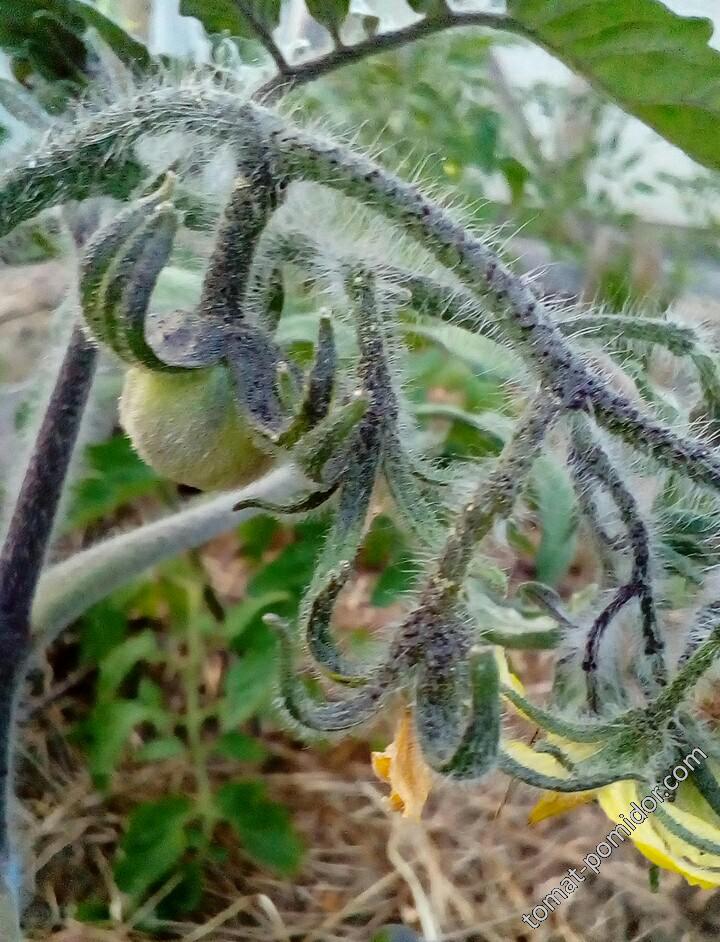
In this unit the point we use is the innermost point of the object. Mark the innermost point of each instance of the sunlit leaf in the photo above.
(218, 16)
(655, 63)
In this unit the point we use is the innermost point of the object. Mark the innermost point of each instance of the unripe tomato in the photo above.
(187, 427)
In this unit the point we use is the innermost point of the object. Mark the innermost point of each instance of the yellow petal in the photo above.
(526, 758)
(403, 766)
(554, 803)
(656, 843)
(381, 762)
(506, 676)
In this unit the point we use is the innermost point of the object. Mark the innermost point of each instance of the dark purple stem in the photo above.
(26, 543)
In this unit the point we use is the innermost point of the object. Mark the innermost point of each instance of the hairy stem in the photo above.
(670, 699)
(493, 499)
(69, 588)
(590, 457)
(681, 340)
(301, 156)
(26, 544)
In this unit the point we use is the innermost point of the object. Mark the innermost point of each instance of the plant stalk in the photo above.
(23, 555)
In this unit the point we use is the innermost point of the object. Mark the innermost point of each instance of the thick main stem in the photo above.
(25, 546)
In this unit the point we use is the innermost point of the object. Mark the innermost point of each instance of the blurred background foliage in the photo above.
(173, 675)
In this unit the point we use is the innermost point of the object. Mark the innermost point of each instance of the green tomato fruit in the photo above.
(188, 428)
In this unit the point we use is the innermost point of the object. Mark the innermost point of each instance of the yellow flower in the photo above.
(652, 837)
(660, 845)
(403, 767)
(680, 835)
(688, 813)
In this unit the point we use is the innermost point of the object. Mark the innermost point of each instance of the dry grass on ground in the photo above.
(467, 872)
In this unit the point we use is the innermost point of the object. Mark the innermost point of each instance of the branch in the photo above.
(679, 339)
(593, 462)
(293, 77)
(68, 589)
(265, 37)
(301, 156)
(493, 499)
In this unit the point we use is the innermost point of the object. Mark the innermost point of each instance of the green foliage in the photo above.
(654, 62)
(117, 476)
(225, 16)
(150, 644)
(131, 718)
(421, 88)
(553, 497)
(263, 826)
(154, 843)
(47, 37)
(330, 13)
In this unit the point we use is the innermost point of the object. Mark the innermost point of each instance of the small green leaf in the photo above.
(430, 8)
(106, 731)
(103, 628)
(486, 357)
(246, 614)
(491, 428)
(248, 685)
(116, 476)
(234, 745)
(262, 825)
(125, 47)
(257, 534)
(292, 569)
(502, 624)
(186, 896)
(224, 16)
(485, 139)
(516, 176)
(122, 659)
(151, 694)
(46, 37)
(330, 13)
(557, 509)
(153, 845)
(157, 750)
